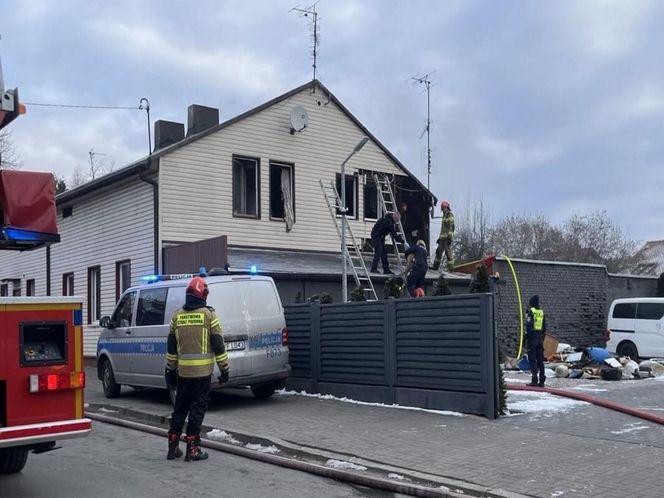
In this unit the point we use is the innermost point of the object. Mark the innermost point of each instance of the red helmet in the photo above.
(444, 205)
(198, 287)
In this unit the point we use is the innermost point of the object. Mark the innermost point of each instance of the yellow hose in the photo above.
(518, 295)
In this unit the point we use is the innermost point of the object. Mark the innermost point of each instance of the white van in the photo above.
(131, 349)
(635, 327)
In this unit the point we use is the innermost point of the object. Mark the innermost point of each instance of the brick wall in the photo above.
(575, 298)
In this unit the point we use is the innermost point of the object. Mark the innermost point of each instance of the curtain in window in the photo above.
(287, 195)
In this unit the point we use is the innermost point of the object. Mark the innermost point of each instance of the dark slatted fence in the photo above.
(436, 353)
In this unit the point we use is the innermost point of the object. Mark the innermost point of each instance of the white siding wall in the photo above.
(196, 180)
(25, 265)
(109, 226)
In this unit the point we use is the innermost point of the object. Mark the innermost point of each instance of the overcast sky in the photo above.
(540, 107)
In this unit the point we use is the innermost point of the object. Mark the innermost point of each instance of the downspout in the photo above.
(48, 270)
(155, 203)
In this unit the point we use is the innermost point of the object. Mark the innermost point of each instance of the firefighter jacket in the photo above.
(195, 343)
(535, 322)
(385, 226)
(447, 227)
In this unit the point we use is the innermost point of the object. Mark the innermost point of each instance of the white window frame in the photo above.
(242, 212)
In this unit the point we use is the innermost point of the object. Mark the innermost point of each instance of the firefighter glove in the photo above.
(171, 378)
(223, 378)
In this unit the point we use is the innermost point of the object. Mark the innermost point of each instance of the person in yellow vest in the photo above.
(194, 343)
(445, 238)
(535, 330)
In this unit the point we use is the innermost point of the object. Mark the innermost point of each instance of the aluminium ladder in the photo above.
(387, 202)
(353, 253)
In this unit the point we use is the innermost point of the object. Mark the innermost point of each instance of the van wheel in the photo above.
(111, 388)
(263, 391)
(628, 348)
(13, 460)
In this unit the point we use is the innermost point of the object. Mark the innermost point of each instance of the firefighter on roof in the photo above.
(195, 343)
(445, 238)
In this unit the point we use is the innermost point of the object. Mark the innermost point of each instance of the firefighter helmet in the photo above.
(421, 243)
(444, 205)
(198, 287)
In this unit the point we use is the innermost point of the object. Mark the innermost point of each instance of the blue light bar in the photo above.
(253, 270)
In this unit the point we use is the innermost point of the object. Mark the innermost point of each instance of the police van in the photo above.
(131, 349)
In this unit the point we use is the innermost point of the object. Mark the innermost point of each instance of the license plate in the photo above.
(235, 345)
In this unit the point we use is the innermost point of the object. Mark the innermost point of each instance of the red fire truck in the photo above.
(41, 339)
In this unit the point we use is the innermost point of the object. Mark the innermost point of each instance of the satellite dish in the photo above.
(299, 119)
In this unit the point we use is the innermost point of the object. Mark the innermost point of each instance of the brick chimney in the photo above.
(167, 133)
(200, 118)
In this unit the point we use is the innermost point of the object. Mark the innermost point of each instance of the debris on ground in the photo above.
(563, 360)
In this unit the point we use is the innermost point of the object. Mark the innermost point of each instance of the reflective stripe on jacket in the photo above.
(447, 227)
(538, 319)
(196, 354)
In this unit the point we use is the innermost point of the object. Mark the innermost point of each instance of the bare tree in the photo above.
(590, 238)
(526, 236)
(595, 238)
(473, 231)
(78, 177)
(8, 157)
(60, 184)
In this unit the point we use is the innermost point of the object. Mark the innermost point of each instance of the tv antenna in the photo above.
(94, 166)
(424, 80)
(313, 15)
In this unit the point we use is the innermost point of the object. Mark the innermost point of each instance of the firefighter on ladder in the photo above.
(445, 238)
(195, 343)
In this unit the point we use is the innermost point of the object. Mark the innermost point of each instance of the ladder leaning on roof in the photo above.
(389, 205)
(353, 253)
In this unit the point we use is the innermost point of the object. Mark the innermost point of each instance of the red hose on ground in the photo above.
(651, 417)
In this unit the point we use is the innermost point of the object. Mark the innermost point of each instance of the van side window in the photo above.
(151, 306)
(125, 311)
(650, 311)
(624, 310)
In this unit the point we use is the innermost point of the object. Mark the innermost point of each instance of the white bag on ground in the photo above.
(630, 367)
(656, 368)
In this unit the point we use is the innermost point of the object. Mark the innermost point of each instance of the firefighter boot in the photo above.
(194, 452)
(173, 446)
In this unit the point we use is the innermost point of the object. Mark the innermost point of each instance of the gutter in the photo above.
(155, 212)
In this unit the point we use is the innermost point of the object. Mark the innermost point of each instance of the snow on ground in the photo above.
(590, 388)
(539, 402)
(638, 426)
(283, 392)
(220, 435)
(341, 465)
(263, 449)
(398, 477)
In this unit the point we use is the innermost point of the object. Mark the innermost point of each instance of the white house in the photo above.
(252, 178)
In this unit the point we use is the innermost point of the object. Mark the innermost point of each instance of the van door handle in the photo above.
(128, 332)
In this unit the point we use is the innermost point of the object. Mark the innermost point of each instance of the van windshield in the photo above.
(245, 300)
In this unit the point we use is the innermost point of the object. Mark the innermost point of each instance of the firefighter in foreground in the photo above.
(195, 343)
(445, 238)
(416, 268)
(384, 226)
(535, 330)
